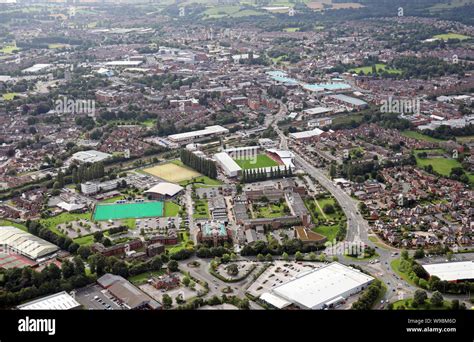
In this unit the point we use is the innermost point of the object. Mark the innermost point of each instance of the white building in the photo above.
(319, 288)
(90, 156)
(95, 187)
(58, 301)
(227, 164)
(307, 135)
(24, 243)
(452, 271)
(189, 137)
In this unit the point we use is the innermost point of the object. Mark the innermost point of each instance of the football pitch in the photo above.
(262, 160)
(128, 210)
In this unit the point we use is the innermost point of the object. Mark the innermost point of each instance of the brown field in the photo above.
(172, 173)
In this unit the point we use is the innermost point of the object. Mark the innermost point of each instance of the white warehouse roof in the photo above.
(317, 287)
(90, 156)
(197, 134)
(451, 271)
(25, 243)
(165, 188)
(307, 134)
(58, 301)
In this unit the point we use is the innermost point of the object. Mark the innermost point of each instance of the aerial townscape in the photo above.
(237, 155)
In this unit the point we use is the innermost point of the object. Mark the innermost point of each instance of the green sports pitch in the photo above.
(261, 160)
(128, 210)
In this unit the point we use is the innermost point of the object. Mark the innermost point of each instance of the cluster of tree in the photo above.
(276, 91)
(87, 172)
(449, 133)
(368, 298)
(205, 252)
(241, 303)
(258, 175)
(205, 166)
(289, 246)
(21, 284)
(427, 67)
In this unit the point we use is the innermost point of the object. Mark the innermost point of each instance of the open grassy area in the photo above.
(447, 36)
(4, 222)
(271, 210)
(201, 209)
(184, 243)
(9, 96)
(262, 160)
(52, 222)
(441, 165)
(201, 181)
(395, 264)
(85, 240)
(171, 209)
(407, 303)
(419, 136)
(9, 49)
(329, 231)
(379, 67)
(229, 11)
(142, 278)
(291, 29)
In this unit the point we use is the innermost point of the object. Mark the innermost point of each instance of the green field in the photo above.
(9, 49)
(13, 224)
(201, 209)
(271, 211)
(52, 222)
(171, 209)
(441, 165)
(230, 11)
(419, 136)
(379, 67)
(262, 160)
(328, 231)
(407, 303)
(128, 210)
(201, 181)
(448, 36)
(9, 96)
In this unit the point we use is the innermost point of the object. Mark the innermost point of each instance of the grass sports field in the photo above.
(128, 210)
(171, 172)
(262, 160)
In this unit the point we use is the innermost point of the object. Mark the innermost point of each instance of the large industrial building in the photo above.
(90, 156)
(58, 301)
(24, 243)
(452, 271)
(319, 288)
(189, 137)
(164, 191)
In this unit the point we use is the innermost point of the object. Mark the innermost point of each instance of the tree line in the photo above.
(257, 175)
(202, 165)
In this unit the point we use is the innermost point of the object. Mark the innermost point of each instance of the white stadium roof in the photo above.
(320, 286)
(227, 161)
(25, 243)
(165, 188)
(57, 301)
(451, 271)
